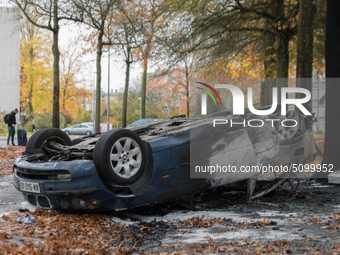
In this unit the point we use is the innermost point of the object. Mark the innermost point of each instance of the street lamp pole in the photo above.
(108, 93)
(140, 108)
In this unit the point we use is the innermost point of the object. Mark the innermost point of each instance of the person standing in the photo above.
(33, 127)
(11, 126)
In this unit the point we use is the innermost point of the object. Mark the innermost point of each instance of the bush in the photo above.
(3, 125)
(87, 116)
(68, 117)
(44, 121)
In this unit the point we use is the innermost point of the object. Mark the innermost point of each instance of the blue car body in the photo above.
(170, 177)
(172, 147)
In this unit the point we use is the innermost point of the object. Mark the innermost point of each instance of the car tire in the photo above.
(120, 157)
(88, 133)
(40, 137)
(67, 132)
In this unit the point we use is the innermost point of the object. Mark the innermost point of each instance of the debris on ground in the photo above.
(27, 219)
(300, 217)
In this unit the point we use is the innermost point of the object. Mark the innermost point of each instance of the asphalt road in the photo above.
(10, 198)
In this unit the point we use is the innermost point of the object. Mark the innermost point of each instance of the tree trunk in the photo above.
(30, 92)
(282, 61)
(64, 97)
(143, 89)
(99, 79)
(332, 138)
(188, 102)
(269, 69)
(126, 90)
(187, 86)
(304, 63)
(56, 54)
(282, 48)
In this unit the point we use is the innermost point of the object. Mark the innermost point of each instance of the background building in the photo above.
(9, 59)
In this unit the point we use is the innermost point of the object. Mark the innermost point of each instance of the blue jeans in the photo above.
(11, 132)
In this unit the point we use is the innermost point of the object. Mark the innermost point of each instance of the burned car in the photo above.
(156, 161)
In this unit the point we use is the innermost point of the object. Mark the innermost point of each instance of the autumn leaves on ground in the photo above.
(69, 233)
(7, 157)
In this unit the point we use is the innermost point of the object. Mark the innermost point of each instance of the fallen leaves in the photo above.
(255, 224)
(61, 233)
(204, 223)
(145, 227)
(10, 153)
(316, 220)
(7, 158)
(6, 170)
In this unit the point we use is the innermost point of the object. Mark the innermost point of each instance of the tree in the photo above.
(319, 51)
(304, 63)
(126, 47)
(99, 15)
(70, 66)
(185, 71)
(74, 82)
(123, 38)
(228, 27)
(34, 67)
(47, 15)
(149, 23)
(269, 63)
(163, 92)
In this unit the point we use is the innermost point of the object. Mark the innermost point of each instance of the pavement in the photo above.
(4, 138)
(3, 141)
(11, 199)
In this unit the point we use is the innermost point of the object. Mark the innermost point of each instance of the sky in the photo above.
(117, 65)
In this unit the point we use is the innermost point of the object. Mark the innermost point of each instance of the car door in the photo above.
(83, 128)
(75, 130)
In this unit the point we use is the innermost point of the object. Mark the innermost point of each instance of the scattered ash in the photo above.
(298, 217)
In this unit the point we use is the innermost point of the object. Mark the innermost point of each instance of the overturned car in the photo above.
(157, 161)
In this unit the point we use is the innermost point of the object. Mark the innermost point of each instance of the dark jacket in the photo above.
(11, 119)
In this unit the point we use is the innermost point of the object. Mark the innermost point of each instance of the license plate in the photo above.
(30, 187)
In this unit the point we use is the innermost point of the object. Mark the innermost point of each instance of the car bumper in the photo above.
(73, 185)
(76, 185)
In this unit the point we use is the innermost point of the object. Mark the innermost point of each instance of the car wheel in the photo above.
(120, 156)
(38, 139)
(88, 133)
(67, 132)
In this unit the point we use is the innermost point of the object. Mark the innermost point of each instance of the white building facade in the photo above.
(9, 59)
